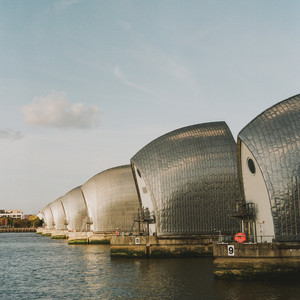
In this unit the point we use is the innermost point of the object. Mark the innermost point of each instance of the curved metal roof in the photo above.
(112, 199)
(75, 210)
(273, 138)
(191, 174)
(58, 213)
(49, 221)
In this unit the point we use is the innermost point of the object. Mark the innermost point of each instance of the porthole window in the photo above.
(251, 165)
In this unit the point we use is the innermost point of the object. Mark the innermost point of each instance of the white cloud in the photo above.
(55, 110)
(122, 77)
(10, 134)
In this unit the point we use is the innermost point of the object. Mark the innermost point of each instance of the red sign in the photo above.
(240, 237)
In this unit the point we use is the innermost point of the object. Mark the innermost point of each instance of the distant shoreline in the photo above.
(4, 230)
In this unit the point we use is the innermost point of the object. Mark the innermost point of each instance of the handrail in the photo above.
(253, 239)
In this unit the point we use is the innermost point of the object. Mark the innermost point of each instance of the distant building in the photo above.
(15, 214)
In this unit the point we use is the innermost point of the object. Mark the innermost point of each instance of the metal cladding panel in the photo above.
(75, 209)
(58, 214)
(191, 174)
(112, 199)
(274, 140)
(49, 221)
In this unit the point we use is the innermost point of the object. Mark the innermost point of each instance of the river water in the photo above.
(36, 267)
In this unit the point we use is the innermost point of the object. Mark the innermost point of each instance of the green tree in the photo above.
(19, 223)
(10, 221)
(37, 222)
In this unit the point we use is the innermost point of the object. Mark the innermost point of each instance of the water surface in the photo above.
(36, 267)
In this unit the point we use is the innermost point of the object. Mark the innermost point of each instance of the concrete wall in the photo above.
(256, 192)
(145, 198)
(256, 261)
(151, 246)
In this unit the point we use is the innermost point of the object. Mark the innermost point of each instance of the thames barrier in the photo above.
(196, 192)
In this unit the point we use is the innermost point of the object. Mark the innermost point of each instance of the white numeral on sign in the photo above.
(230, 250)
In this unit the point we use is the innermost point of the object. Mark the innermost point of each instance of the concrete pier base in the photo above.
(256, 261)
(39, 230)
(88, 238)
(99, 238)
(59, 234)
(151, 246)
(78, 238)
(46, 232)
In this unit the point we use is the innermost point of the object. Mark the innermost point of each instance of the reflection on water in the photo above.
(36, 267)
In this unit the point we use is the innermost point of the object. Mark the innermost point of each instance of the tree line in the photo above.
(31, 222)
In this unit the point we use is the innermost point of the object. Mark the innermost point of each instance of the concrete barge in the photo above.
(77, 238)
(256, 260)
(151, 246)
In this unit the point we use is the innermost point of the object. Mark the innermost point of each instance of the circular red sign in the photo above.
(240, 237)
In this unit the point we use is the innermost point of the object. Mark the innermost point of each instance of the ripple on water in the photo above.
(36, 267)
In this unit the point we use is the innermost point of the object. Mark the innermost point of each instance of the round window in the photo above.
(251, 165)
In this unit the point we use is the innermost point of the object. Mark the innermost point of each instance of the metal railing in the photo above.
(250, 239)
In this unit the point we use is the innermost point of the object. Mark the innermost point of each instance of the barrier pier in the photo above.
(151, 246)
(255, 260)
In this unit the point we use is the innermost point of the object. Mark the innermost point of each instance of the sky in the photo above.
(85, 84)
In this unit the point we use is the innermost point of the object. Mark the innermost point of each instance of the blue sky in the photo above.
(86, 84)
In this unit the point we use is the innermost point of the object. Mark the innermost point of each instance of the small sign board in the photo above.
(137, 241)
(230, 250)
(240, 237)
